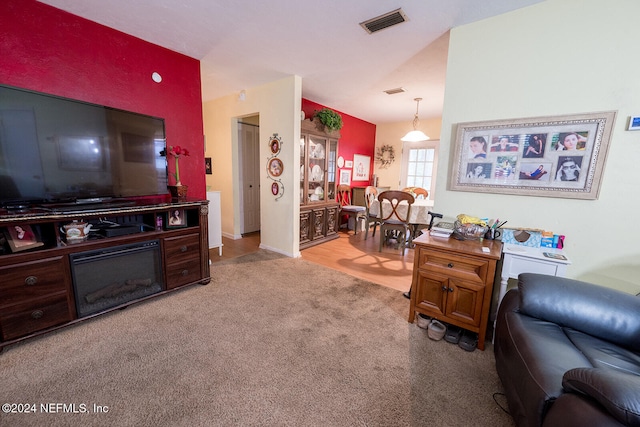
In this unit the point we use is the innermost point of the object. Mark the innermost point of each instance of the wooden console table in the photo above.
(453, 281)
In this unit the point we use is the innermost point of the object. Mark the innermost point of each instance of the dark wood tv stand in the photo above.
(37, 292)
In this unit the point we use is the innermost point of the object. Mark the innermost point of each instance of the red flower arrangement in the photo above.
(177, 152)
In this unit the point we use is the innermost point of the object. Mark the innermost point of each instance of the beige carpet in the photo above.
(271, 341)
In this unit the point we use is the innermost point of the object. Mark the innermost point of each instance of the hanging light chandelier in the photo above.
(415, 135)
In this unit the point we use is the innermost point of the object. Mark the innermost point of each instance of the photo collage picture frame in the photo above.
(561, 156)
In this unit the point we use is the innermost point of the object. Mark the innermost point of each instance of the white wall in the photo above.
(557, 57)
(278, 104)
(390, 134)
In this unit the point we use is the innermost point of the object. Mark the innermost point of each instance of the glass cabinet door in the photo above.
(303, 168)
(318, 173)
(331, 169)
(317, 151)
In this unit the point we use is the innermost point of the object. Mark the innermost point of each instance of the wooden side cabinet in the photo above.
(453, 281)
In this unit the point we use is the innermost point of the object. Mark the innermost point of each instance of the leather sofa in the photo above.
(568, 353)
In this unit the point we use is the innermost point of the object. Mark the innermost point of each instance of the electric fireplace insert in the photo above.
(111, 277)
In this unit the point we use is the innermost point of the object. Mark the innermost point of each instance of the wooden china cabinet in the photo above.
(319, 210)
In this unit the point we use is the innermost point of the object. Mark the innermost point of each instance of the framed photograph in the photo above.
(275, 167)
(208, 168)
(361, 166)
(345, 177)
(275, 144)
(22, 238)
(176, 218)
(560, 156)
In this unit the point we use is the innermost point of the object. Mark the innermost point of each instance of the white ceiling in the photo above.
(246, 43)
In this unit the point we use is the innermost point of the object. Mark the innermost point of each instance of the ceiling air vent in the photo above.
(394, 91)
(384, 21)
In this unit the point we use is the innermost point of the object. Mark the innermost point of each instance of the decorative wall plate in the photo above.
(275, 145)
(275, 167)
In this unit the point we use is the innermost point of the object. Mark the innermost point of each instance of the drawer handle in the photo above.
(450, 289)
(183, 248)
(444, 289)
(37, 314)
(31, 280)
(184, 272)
(450, 265)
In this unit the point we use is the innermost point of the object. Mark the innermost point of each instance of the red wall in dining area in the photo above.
(48, 50)
(356, 136)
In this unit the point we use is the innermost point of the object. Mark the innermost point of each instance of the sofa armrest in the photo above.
(595, 310)
(617, 391)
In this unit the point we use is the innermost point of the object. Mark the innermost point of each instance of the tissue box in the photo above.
(522, 237)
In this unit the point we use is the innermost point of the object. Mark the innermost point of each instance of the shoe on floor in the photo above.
(453, 334)
(423, 321)
(468, 341)
(407, 294)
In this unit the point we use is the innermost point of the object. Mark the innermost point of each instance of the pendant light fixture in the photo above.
(415, 135)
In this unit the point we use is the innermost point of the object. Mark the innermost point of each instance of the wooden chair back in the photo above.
(343, 195)
(370, 194)
(395, 197)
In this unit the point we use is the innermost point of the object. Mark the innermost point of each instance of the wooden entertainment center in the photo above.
(39, 289)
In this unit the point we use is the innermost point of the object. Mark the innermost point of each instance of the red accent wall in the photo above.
(49, 50)
(356, 136)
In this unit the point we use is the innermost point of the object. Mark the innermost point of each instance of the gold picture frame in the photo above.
(559, 156)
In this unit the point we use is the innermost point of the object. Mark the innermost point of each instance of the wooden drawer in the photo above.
(183, 273)
(23, 282)
(453, 265)
(35, 315)
(178, 250)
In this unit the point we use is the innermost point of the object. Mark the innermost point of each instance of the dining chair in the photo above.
(371, 195)
(417, 192)
(396, 220)
(358, 213)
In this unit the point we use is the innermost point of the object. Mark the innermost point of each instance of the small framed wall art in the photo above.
(361, 165)
(345, 177)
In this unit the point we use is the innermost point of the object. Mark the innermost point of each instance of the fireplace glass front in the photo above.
(110, 277)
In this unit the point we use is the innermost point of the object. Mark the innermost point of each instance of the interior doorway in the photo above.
(249, 150)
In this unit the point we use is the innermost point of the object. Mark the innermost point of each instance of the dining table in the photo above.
(419, 215)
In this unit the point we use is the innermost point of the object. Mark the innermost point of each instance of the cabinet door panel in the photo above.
(465, 301)
(431, 293)
(332, 220)
(305, 227)
(318, 223)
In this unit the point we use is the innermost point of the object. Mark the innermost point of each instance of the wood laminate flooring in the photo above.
(349, 253)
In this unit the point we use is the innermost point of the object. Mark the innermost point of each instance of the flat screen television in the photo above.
(59, 150)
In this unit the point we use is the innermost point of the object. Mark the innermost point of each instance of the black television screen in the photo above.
(54, 150)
